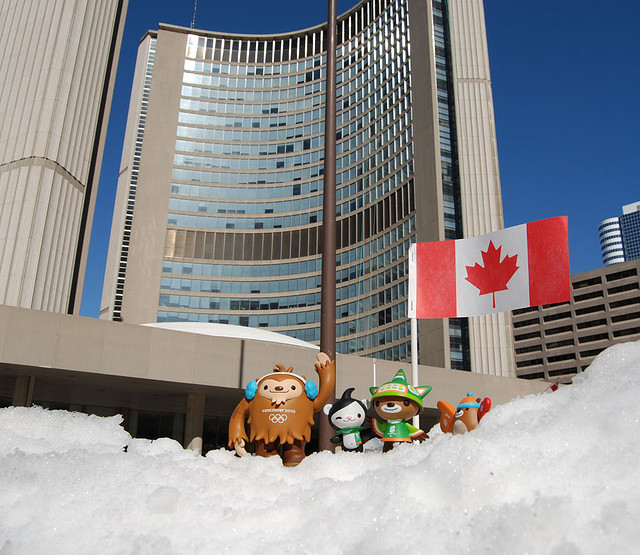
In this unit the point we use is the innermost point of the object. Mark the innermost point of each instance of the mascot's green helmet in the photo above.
(398, 387)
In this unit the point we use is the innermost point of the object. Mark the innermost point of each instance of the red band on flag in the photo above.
(436, 266)
(548, 249)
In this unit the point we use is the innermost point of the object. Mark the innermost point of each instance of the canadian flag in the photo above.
(516, 267)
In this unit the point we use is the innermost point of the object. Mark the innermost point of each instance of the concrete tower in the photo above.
(57, 71)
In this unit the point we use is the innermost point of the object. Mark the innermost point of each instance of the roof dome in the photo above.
(227, 330)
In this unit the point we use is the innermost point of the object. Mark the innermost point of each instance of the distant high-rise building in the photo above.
(57, 71)
(558, 341)
(611, 241)
(620, 237)
(218, 212)
(630, 226)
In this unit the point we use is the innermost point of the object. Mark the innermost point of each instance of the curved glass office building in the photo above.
(219, 208)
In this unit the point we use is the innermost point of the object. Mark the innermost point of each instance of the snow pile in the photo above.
(550, 473)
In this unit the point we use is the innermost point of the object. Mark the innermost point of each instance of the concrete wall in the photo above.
(490, 341)
(117, 364)
(57, 72)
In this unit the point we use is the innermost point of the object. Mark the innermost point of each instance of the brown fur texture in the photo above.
(273, 419)
(297, 415)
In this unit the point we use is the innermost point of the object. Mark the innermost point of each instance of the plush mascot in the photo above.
(465, 417)
(347, 417)
(280, 407)
(394, 403)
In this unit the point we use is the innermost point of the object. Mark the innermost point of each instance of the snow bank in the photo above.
(550, 473)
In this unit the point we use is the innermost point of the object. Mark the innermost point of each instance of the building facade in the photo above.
(611, 245)
(218, 212)
(620, 237)
(57, 72)
(184, 380)
(556, 342)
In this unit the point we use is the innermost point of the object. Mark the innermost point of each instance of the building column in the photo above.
(194, 422)
(23, 391)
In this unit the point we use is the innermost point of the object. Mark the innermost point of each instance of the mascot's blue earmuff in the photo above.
(311, 389)
(250, 391)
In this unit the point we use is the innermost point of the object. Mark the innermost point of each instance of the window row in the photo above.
(260, 137)
(235, 287)
(263, 177)
(241, 270)
(262, 96)
(245, 108)
(239, 122)
(263, 304)
(353, 230)
(247, 208)
(286, 244)
(384, 162)
(352, 264)
(216, 78)
(357, 187)
(389, 176)
(274, 83)
(246, 193)
(246, 224)
(248, 70)
(266, 149)
(375, 283)
(261, 51)
(250, 164)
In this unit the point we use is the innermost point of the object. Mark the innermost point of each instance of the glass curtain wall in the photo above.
(244, 228)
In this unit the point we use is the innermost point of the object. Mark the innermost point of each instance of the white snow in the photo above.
(555, 473)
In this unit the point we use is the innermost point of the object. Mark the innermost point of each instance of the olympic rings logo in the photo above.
(278, 418)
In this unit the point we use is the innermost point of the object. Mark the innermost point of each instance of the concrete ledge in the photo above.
(90, 361)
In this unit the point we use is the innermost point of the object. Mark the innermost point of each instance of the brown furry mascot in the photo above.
(280, 406)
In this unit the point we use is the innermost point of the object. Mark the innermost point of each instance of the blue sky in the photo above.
(565, 77)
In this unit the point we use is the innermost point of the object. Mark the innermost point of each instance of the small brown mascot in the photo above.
(280, 406)
(465, 417)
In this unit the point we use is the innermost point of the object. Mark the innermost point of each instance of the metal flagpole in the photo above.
(328, 284)
(375, 377)
(414, 362)
(414, 323)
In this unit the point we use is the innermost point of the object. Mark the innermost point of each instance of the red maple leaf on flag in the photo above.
(495, 274)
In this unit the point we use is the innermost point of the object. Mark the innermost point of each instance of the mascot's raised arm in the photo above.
(280, 407)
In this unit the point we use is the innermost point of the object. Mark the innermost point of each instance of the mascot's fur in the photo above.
(299, 412)
(280, 409)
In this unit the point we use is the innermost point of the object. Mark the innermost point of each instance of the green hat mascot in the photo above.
(394, 403)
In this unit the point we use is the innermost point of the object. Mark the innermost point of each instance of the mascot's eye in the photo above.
(338, 417)
(266, 387)
(377, 403)
(406, 402)
(293, 387)
(359, 415)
